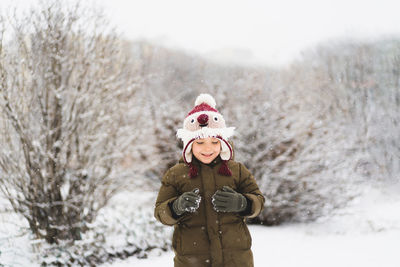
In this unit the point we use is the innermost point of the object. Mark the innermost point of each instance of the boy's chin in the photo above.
(206, 160)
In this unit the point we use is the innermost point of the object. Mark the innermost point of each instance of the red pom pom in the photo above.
(193, 172)
(224, 170)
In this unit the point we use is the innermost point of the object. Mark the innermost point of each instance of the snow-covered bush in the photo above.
(163, 151)
(126, 227)
(271, 141)
(65, 87)
(331, 124)
(365, 78)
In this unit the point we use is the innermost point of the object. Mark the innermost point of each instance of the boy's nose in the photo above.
(202, 119)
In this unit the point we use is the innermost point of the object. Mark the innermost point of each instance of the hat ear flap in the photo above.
(226, 150)
(187, 157)
(187, 154)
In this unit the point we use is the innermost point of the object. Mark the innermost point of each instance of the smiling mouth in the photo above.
(207, 155)
(204, 125)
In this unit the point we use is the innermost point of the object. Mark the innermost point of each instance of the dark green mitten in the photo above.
(228, 200)
(187, 202)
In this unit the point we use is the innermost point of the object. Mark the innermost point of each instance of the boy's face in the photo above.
(206, 149)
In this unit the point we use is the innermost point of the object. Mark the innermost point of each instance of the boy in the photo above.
(207, 195)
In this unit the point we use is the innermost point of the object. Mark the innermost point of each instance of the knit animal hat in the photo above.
(204, 121)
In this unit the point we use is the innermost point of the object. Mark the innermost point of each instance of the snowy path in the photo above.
(288, 246)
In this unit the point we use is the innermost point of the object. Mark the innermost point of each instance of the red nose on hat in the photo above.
(202, 119)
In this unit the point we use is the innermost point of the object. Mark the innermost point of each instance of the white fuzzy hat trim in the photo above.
(204, 132)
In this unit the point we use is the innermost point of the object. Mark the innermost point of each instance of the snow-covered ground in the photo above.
(293, 246)
(367, 234)
(14, 239)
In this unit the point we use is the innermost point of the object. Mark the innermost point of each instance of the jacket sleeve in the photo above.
(249, 188)
(166, 195)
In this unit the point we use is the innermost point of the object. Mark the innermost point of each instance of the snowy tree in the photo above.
(287, 138)
(365, 78)
(163, 88)
(65, 85)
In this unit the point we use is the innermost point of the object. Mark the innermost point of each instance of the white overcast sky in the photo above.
(269, 31)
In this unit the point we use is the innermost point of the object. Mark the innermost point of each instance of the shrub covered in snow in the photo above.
(65, 85)
(126, 227)
(363, 81)
(325, 127)
(294, 155)
(122, 234)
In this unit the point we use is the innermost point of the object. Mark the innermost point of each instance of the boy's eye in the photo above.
(200, 143)
(215, 143)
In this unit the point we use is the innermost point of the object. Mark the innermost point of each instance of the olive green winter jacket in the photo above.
(206, 237)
